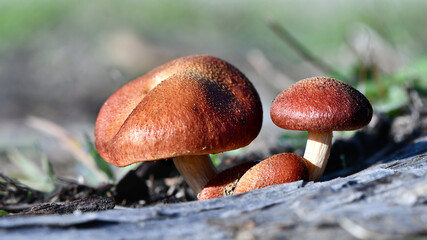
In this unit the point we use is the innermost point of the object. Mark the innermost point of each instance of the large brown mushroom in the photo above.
(320, 105)
(185, 109)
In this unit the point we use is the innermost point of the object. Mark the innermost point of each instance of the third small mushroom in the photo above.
(248, 176)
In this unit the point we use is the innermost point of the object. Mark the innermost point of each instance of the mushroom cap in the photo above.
(321, 104)
(224, 182)
(277, 169)
(193, 105)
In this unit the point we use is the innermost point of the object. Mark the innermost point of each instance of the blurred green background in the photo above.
(59, 60)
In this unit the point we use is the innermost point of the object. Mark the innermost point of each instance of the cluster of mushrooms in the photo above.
(194, 106)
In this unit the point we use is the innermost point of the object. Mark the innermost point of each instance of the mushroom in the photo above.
(277, 169)
(320, 105)
(185, 109)
(248, 176)
(224, 183)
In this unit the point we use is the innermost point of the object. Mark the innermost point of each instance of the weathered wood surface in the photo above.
(385, 201)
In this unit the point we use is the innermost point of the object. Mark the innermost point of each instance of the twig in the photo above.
(13, 192)
(89, 204)
(284, 34)
(275, 78)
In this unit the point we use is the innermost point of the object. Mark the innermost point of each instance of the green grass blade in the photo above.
(99, 161)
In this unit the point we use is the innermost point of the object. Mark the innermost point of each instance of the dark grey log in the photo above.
(385, 201)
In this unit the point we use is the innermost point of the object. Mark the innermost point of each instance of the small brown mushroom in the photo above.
(185, 109)
(277, 169)
(224, 183)
(320, 105)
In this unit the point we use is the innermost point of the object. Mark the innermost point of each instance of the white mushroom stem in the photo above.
(196, 170)
(317, 153)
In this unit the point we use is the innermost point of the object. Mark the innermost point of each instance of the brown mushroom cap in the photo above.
(190, 106)
(277, 169)
(321, 104)
(223, 183)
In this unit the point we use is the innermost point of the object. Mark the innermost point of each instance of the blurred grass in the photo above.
(100, 162)
(296, 139)
(321, 25)
(40, 178)
(19, 21)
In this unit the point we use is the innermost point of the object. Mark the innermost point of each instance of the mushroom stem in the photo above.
(196, 170)
(317, 153)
